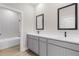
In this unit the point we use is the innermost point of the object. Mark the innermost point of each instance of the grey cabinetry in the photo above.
(54, 50)
(62, 48)
(42, 47)
(35, 45)
(32, 43)
(29, 43)
(71, 53)
(51, 47)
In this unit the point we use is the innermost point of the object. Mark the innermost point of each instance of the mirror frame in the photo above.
(42, 22)
(76, 17)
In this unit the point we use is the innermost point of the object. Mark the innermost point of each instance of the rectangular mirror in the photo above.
(40, 22)
(67, 17)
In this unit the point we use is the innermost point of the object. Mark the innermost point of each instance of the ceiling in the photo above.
(33, 4)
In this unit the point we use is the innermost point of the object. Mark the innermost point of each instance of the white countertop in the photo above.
(58, 37)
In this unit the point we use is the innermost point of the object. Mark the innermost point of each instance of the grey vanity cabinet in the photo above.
(51, 47)
(42, 47)
(62, 48)
(32, 43)
(59, 51)
(69, 52)
(54, 50)
(35, 45)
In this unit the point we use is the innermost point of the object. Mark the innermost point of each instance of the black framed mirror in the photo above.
(40, 22)
(67, 17)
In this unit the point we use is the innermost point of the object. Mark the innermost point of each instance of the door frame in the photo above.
(21, 22)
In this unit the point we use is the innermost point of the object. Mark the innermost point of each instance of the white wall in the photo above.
(50, 14)
(28, 20)
(50, 17)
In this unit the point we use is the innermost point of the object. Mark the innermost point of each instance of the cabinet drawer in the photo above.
(42, 39)
(71, 53)
(72, 46)
(32, 37)
(53, 41)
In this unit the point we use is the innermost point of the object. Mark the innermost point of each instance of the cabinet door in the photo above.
(42, 48)
(35, 45)
(30, 43)
(54, 50)
(69, 52)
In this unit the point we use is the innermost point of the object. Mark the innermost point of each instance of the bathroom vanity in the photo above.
(51, 46)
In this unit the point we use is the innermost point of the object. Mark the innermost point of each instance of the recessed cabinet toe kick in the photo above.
(51, 47)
